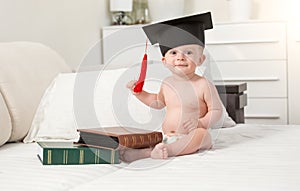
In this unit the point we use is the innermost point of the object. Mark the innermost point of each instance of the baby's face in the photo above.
(184, 59)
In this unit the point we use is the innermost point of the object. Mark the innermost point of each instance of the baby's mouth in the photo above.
(181, 65)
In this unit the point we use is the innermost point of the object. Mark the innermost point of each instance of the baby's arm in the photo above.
(155, 101)
(214, 107)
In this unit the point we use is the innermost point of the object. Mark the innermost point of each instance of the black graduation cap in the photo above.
(181, 31)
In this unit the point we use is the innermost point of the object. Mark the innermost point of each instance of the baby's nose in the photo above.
(180, 56)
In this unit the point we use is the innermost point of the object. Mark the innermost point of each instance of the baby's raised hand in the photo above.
(130, 85)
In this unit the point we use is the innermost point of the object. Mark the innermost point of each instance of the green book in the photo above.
(67, 153)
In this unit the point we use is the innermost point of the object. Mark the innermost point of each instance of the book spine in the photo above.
(98, 140)
(78, 156)
(136, 141)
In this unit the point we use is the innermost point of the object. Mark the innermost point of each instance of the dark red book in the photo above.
(113, 137)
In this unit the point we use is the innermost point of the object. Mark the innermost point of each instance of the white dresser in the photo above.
(256, 53)
(294, 72)
(252, 52)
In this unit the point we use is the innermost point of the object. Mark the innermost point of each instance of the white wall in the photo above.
(70, 27)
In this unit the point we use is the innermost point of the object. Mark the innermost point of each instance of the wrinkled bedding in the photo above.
(244, 157)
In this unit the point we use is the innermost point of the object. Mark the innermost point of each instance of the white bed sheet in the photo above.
(245, 157)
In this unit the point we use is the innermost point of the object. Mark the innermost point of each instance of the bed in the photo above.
(244, 156)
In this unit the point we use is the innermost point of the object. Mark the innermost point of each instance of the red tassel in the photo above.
(140, 83)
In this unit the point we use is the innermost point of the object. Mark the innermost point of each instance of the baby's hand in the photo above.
(190, 124)
(130, 85)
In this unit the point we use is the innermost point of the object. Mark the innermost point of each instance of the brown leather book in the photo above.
(114, 137)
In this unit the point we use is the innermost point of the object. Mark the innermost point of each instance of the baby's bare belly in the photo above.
(174, 119)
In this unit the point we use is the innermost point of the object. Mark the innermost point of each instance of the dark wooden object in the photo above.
(234, 99)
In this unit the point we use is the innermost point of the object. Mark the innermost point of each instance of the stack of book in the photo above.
(97, 146)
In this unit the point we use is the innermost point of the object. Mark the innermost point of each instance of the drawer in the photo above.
(264, 78)
(247, 41)
(266, 111)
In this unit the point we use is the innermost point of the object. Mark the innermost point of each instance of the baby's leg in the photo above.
(130, 155)
(191, 143)
(159, 152)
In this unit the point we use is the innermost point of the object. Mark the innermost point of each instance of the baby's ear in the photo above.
(163, 59)
(202, 59)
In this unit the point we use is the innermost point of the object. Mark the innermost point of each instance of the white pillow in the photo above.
(54, 119)
(80, 100)
(5, 122)
(89, 99)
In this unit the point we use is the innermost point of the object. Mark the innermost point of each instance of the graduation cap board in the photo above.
(181, 31)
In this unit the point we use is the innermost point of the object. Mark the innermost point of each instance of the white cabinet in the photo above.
(252, 52)
(256, 53)
(294, 72)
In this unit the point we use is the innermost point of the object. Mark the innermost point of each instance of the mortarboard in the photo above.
(181, 31)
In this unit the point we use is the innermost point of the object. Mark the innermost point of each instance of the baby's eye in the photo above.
(189, 52)
(173, 52)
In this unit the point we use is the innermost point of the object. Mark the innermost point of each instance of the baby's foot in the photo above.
(159, 152)
(130, 155)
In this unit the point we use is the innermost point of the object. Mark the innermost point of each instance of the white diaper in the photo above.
(171, 139)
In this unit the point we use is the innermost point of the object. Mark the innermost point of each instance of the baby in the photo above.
(191, 101)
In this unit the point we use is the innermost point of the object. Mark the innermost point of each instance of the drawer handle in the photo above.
(241, 42)
(248, 79)
(262, 116)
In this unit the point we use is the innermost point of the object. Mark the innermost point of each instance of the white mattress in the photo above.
(245, 157)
